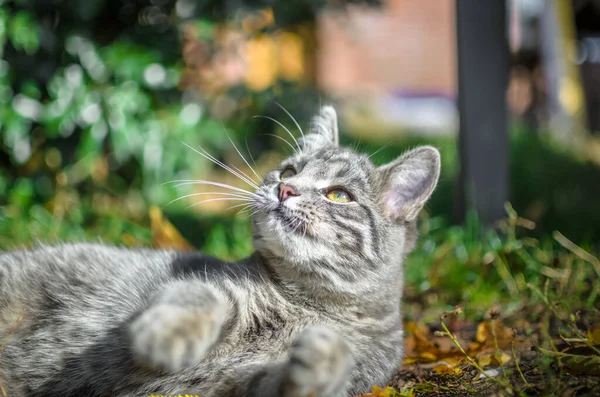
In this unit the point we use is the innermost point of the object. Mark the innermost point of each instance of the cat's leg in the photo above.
(181, 324)
(318, 365)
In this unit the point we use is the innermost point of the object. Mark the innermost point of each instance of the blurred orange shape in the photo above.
(490, 332)
(164, 234)
(445, 369)
(261, 55)
(593, 334)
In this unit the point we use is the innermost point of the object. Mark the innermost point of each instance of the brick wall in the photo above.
(409, 45)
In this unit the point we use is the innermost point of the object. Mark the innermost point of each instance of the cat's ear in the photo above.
(323, 130)
(408, 181)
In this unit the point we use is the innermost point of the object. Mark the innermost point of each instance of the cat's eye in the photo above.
(287, 173)
(338, 195)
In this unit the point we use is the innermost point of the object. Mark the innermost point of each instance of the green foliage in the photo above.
(91, 84)
(23, 32)
(467, 265)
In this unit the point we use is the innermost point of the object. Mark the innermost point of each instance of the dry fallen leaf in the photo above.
(490, 332)
(487, 359)
(164, 234)
(446, 369)
(593, 334)
(379, 392)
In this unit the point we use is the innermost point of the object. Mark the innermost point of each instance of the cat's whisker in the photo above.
(184, 182)
(380, 149)
(212, 158)
(240, 174)
(257, 210)
(247, 208)
(217, 199)
(291, 117)
(282, 126)
(209, 157)
(298, 224)
(239, 195)
(285, 140)
(241, 155)
(251, 157)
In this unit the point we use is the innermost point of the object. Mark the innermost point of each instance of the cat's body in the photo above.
(315, 311)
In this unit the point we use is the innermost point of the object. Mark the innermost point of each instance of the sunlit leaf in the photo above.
(164, 234)
(494, 358)
(445, 369)
(492, 332)
(24, 32)
(379, 392)
(593, 334)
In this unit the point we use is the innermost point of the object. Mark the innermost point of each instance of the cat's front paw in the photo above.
(171, 338)
(319, 364)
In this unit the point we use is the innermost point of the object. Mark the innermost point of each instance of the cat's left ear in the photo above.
(323, 130)
(408, 181)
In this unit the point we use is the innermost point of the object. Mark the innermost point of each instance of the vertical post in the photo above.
(566, 110)
(483, 63)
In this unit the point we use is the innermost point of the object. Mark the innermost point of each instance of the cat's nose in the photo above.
(286, 191)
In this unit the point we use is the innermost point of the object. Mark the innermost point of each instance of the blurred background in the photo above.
(97, 96)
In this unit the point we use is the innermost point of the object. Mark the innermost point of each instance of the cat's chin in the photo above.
(291, 222)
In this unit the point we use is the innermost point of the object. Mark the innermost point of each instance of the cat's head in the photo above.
(328, 211)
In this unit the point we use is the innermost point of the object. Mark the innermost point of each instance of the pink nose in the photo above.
(286, 191)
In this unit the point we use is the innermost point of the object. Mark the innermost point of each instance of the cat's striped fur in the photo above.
(314, 312)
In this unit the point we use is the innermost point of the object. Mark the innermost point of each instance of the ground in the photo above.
(487, 311)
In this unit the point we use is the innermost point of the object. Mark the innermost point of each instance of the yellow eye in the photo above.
(287, 173)
(339, 196)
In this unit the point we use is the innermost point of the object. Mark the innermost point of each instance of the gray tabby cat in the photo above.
(315, 311)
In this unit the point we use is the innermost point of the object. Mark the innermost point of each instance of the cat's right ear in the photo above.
(323, 130)
(408, 181)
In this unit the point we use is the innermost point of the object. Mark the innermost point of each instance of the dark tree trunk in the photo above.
(483, 61)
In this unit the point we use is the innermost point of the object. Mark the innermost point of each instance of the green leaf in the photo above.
(24, 32)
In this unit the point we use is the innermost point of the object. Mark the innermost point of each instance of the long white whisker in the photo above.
(250, 154)
(299, 223)
(282, 126)
(217, 199)
(247, 208)
(291, 117)
(285, 140)
(239, 205)
(184, 182)
(380, 149)
(245, 177)
(254, 213)
(205, 193)
(243, 209)
(241, 155)
(208, 156)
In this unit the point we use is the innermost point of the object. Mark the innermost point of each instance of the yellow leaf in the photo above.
(379, 392)
(492, 359)
(261, 54)
(290, 56)
(486, 330)
(445, 369)
(258, 20)
(593, 334)
(164, 234)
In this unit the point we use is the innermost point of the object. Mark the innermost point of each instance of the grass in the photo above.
(534, 279)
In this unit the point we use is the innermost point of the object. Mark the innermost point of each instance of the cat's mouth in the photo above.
(292, 221)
